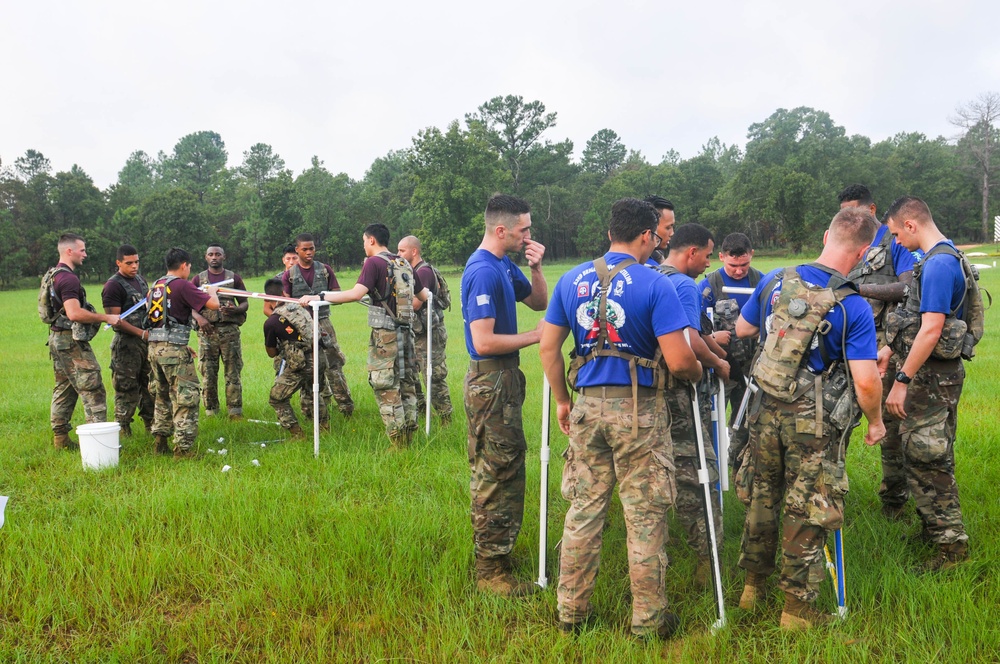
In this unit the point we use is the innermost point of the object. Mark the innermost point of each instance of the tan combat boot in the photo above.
(160, 444)
(753, 591)
(949, 555)
(803, 615)
(703, 573)
(295, 431)
(491, 577)
(189, 453)
(61, 441)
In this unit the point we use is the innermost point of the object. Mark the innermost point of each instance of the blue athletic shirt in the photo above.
(708, 296)
(687, 292)
(942, 283)
(862, 343)
(642, 305)
(491, 287)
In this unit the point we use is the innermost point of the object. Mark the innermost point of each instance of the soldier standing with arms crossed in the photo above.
(129, 349)
(494, 385)
(619, 428)
(62, 303)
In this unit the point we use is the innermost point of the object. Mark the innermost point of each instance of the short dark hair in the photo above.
(304, 237)
(856, 192)
(67, 239)
(126, 250)
(175, 258)
(660, 203)
(630, 218)
(853, 227)
(503, 210)
(736, 244)
(378, 231)
(911, 207)
(273, 287)
(289, 249)
(217, 246)
(690, 235)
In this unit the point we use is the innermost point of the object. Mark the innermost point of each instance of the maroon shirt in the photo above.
(308, 275)
(426, 276)
(276, 329)
(67, 286)
(115, 295)
(375, 277)
(182, 298)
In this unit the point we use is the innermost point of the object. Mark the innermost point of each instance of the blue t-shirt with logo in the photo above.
(687, 292)
(642, 305)
(862, 344)
(942, 283)
(491, 287)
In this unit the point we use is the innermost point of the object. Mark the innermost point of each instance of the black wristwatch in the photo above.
(902, 378)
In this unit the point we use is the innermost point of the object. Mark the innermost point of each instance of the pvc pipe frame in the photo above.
(144, 303)
(316, 402)
(427, 411)
(543, 505)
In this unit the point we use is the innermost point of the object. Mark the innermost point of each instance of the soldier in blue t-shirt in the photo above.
(818, 337)
(926, 389)
(628, 330)
(494, 385)
(882, 277)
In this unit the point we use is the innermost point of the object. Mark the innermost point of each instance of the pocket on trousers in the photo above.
(745, 475)
(662, 483)
(382, 379)
(929, 443)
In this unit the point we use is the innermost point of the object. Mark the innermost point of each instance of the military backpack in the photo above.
(400, 276)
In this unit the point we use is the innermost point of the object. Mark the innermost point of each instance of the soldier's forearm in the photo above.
(883, 292)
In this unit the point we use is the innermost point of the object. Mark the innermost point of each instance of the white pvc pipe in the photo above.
(543, 505)
(429, 306)
(316, 304)
(723, 459)
(737, 290)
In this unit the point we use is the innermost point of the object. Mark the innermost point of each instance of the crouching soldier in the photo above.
(288, 337)
(174, 380)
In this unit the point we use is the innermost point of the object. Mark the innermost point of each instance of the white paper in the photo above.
(255, 462)
(210, 451)
(223, 451)
(263, 444)
(225, 469)
(3, 506)
(221, 440)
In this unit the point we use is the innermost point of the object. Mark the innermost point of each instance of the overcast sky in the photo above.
(90, 82)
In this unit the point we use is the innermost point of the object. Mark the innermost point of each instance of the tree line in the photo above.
(780, 189)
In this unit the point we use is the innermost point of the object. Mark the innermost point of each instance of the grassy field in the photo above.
(364, 555)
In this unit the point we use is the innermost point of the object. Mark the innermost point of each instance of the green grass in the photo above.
(365, 554)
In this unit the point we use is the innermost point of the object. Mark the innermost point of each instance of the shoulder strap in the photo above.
(716, 284)
(755, 276)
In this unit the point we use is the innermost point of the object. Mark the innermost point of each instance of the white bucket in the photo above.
(99, 444)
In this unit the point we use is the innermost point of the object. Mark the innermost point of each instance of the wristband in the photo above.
(903, 378)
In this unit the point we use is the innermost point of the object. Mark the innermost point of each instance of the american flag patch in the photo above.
(482, 300)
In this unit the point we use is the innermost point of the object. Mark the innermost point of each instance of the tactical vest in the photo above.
(215, 316)
(876, 267)
(321, 278)
(163, 326)
(137, 318)
(726, 312)
(959, 336)
(380, 315)
(604, 348)
(57, 318)
(296, 352)
(442, 296)
(298, 318)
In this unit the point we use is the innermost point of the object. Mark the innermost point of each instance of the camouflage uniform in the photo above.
(690, 502)
(222, 343)
(602, 451)
(175, 389)
(795, 469)
(392, 375)
(336, 382)
(130, 378)
(440, 398)
(77, 372)
(293, 373)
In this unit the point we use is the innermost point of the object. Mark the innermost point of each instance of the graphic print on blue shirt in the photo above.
(642, 304)
(491, 288)
(862, 343)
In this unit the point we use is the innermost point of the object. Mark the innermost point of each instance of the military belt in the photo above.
(616, 391)
(484, 366)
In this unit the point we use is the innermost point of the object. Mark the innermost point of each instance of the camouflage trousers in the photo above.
(223, 344)
(294, 372)
(130, 378)
(690, 504)
(78, 374)
(174, 385)
(928, 443)
(793, 467)
(392, 373)
(440, 397)
(336, 382)
(893, 490)
(494, 397)
(602, 452)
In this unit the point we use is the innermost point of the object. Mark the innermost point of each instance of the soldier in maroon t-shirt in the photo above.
(392, 369)
(76, 369)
